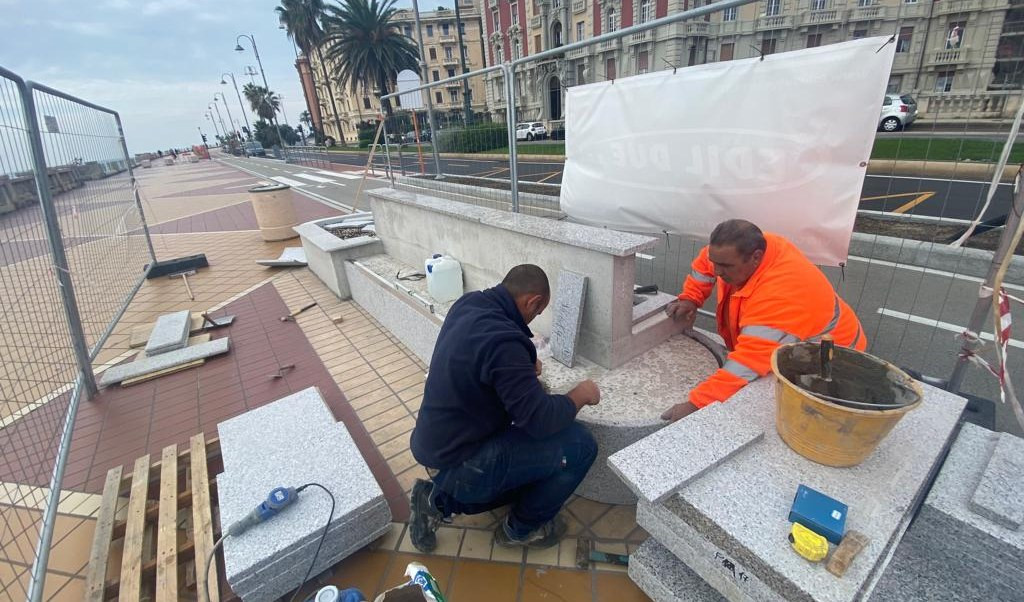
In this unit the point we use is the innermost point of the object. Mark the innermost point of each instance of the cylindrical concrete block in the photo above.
(275, 213)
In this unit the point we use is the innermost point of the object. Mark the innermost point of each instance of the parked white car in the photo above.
(898, 111)
(531, 131)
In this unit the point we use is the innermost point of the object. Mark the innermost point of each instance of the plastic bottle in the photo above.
(444, 278)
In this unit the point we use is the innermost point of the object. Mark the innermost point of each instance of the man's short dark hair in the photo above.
(741, 234)
(527, 279)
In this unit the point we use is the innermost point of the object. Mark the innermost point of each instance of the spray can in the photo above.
(418, 574)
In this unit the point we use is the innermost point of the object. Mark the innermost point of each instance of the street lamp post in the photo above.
(235, 84)
(211, 120)
(251, 72)
(228, 109)
(430, 103)
(263, 74)
(222, 126)
(283, 112)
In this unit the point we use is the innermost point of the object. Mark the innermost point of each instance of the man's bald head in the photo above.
(528, 285)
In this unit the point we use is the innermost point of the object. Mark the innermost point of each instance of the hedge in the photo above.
(472, 139)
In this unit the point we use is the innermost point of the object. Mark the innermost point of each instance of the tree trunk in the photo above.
(385, 102)
(330, 92)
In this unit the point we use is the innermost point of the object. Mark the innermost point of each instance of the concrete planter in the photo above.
(326, 254)
(274, 211)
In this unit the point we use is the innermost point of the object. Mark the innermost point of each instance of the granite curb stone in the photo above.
(169, 333)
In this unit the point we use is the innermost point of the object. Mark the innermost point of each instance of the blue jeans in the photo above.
(535, 476)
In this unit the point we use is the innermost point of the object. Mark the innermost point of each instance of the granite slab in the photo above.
(1000, 494)
(659, 464)
(664, 578)
(570, 295)
(169, 333)
(155, 363)
(739, 508)
(290, 257)
(603, 240)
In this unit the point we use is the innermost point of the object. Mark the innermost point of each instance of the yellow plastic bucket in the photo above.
(829, 433)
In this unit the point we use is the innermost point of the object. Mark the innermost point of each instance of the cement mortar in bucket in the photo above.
(275, 213)
(831, 433)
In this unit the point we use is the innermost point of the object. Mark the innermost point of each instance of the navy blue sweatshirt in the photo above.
(482, 379)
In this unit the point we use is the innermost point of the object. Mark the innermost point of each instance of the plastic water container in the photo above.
(444, 278)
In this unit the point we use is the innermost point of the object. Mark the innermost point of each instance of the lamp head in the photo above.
(222, 82)
(238, 48)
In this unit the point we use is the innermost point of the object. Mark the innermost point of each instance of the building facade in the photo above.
(442, 57)
(962, 59)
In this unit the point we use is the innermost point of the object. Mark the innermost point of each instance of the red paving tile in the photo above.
(122, 424)
(239, 216)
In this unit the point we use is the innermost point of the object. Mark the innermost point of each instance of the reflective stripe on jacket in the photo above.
(787, 299)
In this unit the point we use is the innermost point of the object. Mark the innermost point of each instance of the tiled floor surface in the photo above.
(369, 379)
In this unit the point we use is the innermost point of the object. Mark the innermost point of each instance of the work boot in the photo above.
(544, 536)
(425, 517)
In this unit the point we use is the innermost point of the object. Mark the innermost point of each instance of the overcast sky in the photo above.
(157, 62)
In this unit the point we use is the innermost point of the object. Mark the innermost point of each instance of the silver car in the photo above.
(898, 111)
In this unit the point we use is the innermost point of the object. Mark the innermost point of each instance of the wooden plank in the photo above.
(96, 576)
(185, 553)
(131, 561)
(167, 528)
(202, 519)
(153, 510)
(212, 451)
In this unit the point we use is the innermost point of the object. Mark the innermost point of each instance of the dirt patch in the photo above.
(346, 232)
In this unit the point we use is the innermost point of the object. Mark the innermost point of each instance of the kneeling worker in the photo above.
(487, 432)
(769, 294)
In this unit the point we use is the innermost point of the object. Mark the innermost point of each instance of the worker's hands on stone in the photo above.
(538, 367)
(683, 311)
(680, 410)
(585, 394)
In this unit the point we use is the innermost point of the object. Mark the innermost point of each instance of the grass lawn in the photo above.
(531, 149)
(944, 149)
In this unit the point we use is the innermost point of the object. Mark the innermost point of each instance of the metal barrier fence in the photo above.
(913, 291)
(73, 251)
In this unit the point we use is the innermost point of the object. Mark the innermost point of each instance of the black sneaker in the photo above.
(545, 536)
(425, 518)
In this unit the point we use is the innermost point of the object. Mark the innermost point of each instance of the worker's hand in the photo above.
(682, 311)
(538, 367)
(585, 394)
(680, 410)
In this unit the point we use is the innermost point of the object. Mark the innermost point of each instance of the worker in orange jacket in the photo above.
(769, 294)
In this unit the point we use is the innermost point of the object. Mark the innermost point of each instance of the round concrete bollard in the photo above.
(275, 213)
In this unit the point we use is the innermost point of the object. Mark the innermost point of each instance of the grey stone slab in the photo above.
(664, 578)
(163, 361)
(657, 465)
(169, 333)
(290, 257)
(740, 506)
(1000, 494)
(570, 295)
(651, 305)
(603, 240)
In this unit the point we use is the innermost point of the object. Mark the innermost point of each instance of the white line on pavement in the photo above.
(930, 179)
(913, 216)
(937, 324)
(326, 173)
(306, 176)
(288, 181)
(914, 268)
(242, 186)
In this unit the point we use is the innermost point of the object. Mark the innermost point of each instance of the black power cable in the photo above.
(323, 536)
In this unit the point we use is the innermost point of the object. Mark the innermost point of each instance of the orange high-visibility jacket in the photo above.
(787, 299)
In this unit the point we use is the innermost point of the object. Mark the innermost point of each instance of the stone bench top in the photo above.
(636, 393)
(388, 268)
(602, 240)
(315, 233)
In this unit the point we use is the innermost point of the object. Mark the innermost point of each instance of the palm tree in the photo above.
(301, 20)
(263, 102)
(363, 39)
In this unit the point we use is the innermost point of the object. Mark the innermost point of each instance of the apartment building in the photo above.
(963, 59)
(441, 49)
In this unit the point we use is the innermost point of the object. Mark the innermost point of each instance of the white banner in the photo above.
(783, 142)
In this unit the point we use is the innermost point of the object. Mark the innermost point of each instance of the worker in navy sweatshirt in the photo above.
(487, 431)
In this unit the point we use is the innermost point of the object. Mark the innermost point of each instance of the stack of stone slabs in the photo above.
(291, 442)
(728, 524)
(169, 333)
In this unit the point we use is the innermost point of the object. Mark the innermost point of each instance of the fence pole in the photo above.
(970, 339)
(430, 103)
(510, 123)
(135, 189)
(53, 235)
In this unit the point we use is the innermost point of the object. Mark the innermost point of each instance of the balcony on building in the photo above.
(948, 7)
(492, 3)
(951, 56)
(868, 13)
(579, 6)
(579, 53)
(448, 39)
(450, 62)
(820, 13)
(698, 28)
(535, 22)
(641, 37)
(765, 23)
(610, 45)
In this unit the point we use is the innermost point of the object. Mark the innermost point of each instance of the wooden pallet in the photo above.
(167, 531)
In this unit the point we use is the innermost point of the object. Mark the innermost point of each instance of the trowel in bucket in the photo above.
(822, 383)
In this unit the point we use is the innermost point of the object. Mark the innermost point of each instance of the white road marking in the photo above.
(250, 185)
(288, 181)
(349, 176)
(937, 324)
(910, 217)
(317, 179)
(931, 179)
(914, 268)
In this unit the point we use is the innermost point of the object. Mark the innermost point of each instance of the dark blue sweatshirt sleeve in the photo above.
(509, 369)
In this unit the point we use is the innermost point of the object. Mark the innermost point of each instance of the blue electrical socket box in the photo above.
(819, 513)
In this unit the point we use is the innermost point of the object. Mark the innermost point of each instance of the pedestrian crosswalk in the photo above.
(318, 177)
